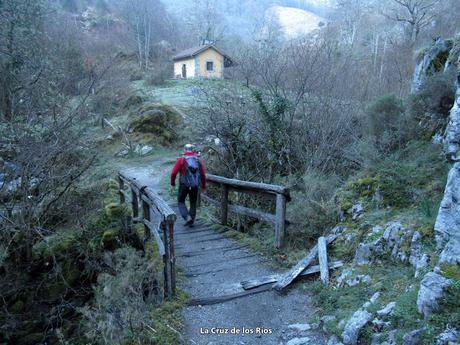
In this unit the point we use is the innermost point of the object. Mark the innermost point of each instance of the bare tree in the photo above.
(147, 19)
(414, 14)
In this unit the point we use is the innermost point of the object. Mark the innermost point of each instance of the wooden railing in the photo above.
(280, 195)
(158, 219)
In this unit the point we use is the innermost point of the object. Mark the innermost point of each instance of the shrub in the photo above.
(313, 209)
(389, 124)
(409, 176)
(431, 104)
(120, 312)
(133, 100)
(159, 74)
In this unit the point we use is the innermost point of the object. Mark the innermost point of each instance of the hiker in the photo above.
(192, 176)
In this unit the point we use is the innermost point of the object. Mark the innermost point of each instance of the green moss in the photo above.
(110, 239)
(115, 210)
(451, 271)
(438, 63)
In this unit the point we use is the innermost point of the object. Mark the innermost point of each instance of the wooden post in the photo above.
(121, 186)
(224, 204)
(135, 203)
(172, 257)
(322, 256)
(280, 219)
(167, 261)
(146, 216)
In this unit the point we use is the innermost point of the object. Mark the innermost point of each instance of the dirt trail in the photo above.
(212, 266)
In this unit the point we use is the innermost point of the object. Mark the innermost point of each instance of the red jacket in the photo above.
(179, 167)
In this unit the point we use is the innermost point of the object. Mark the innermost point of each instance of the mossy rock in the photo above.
(133, 100)
(160, 120)
(113, 185)
(115, 210)
(365, 187)
(110, 239)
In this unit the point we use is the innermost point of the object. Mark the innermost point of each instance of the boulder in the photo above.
(380, 325)
(450, 336)
(334, 341)
(431, 291)
(356, 211)
(145, 150)
(359, 279)
(413, 337)
(393, 232)
(300, 327)
(417, 259)
(299, 341)
(387, 310)
(367, 252)
(447, 226)
(359, 319)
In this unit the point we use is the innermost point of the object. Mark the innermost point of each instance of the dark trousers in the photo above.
(182, 195)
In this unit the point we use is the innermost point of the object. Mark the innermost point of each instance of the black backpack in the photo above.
(192, 177)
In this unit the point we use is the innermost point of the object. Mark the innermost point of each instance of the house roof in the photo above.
(191, 52)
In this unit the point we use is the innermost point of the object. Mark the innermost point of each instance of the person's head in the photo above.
(189, 148)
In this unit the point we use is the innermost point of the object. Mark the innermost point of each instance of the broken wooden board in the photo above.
(289, 277)
(322, 258)
(253, 283)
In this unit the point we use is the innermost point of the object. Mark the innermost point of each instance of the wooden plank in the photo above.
(172, 257)
(125, 194)
(146, 216)
(162, 206)
(261, 215)
(280, 221)
(263, 187)
(134, 203)
(224, 204)
(253, 283)
(289, 276)
(167, 262)
(322, 257)
(158, 240)
(225, 298)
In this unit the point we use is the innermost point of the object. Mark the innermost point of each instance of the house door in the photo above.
(184, 71)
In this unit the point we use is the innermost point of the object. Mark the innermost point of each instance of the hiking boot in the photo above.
(189, 221)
